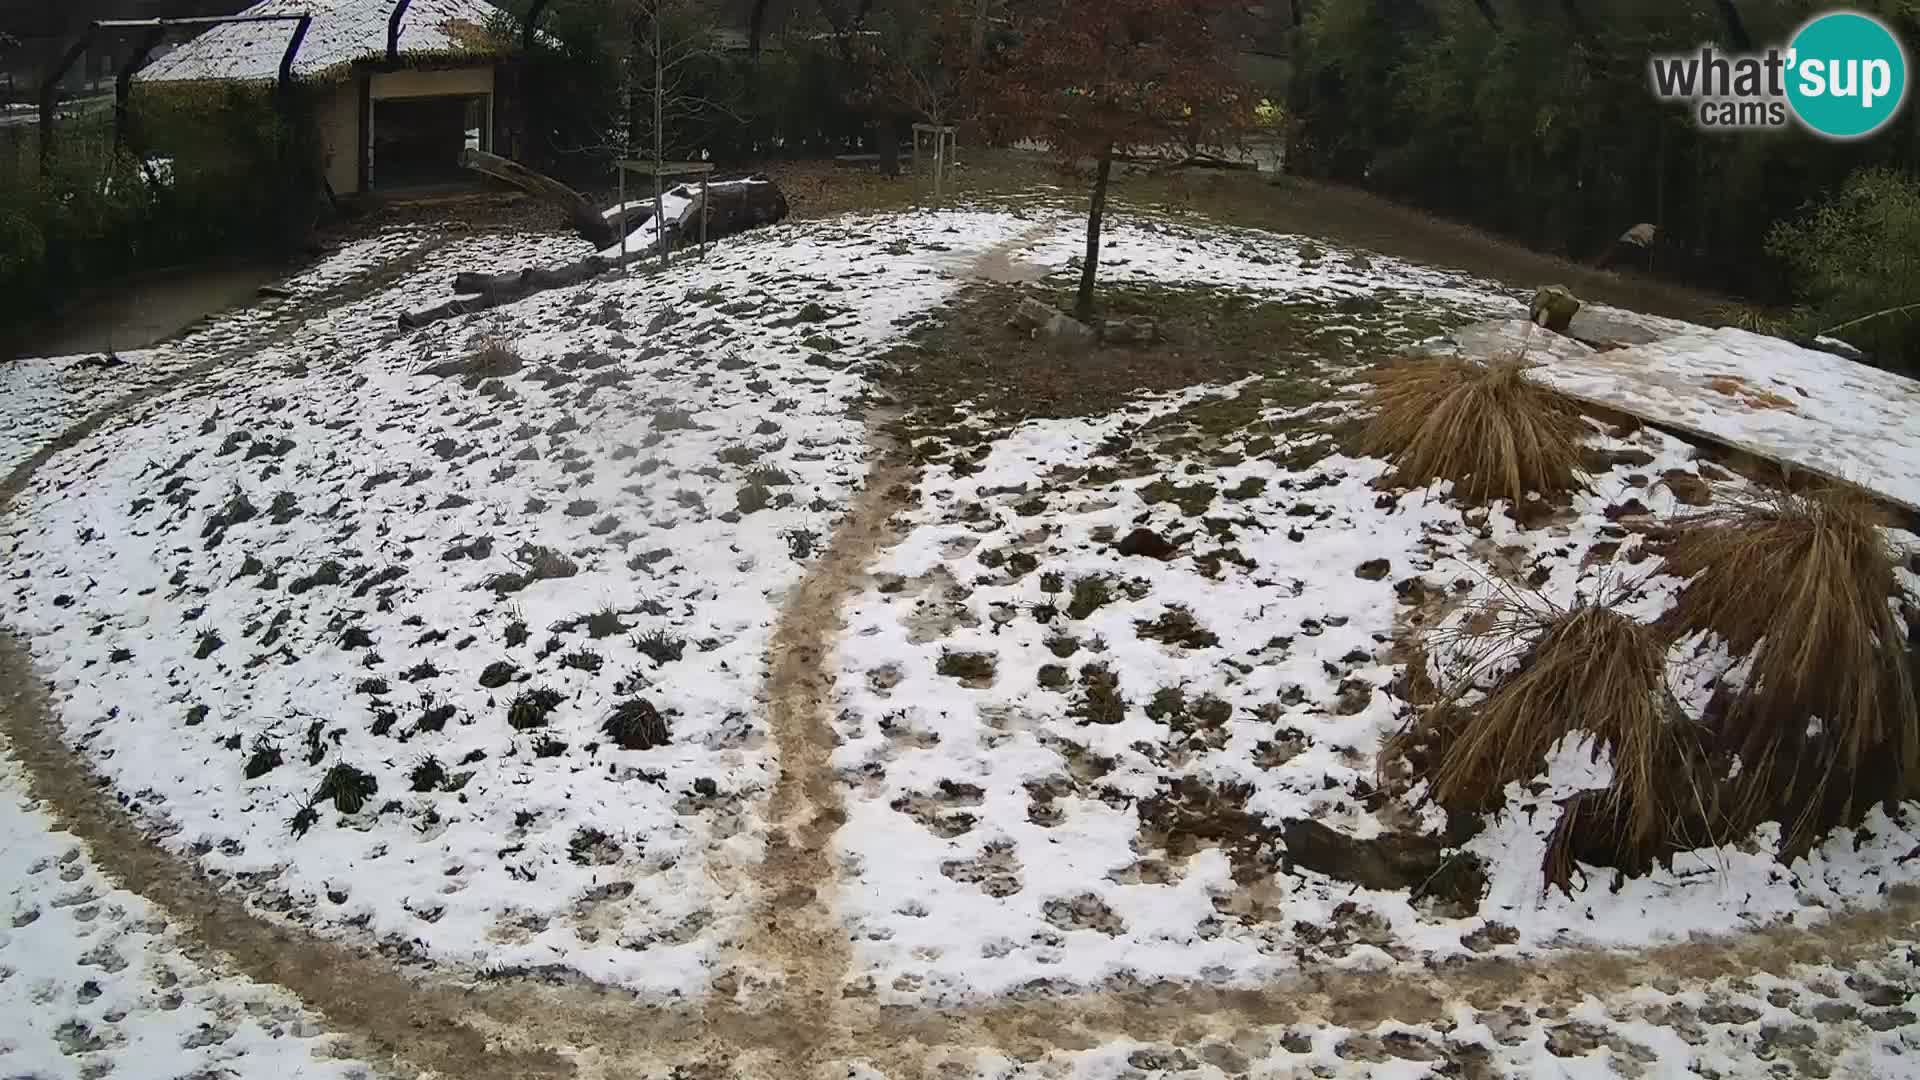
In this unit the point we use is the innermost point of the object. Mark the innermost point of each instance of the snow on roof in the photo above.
(342, 31)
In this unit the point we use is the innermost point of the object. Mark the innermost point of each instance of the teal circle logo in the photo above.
(1847, 75)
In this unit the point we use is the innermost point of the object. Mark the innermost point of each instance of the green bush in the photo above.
(1544, 128)
(221, 171)
(1856, 260)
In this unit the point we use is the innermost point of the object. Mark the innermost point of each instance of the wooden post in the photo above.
(659, 221)
(703, 216)
(622, 170)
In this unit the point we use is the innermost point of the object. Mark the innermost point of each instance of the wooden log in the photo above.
(586, 221)
(733, 206)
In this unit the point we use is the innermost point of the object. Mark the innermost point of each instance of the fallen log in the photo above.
(586, 221)
(483, 291)
(733, 206)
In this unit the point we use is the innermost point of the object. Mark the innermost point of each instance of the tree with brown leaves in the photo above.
(1092, 78)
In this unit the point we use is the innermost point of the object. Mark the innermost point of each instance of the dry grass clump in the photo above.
(1589, 670)
(1800, 588)
(495, 358)
(1487, 427)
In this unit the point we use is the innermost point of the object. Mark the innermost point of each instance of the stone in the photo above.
(1554, 307)
(1066, 330)
(1031, 315)
(1138, 330)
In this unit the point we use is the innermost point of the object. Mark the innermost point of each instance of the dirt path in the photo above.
(777, 1008)
(796, 940)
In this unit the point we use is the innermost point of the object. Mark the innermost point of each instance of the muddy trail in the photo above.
(778, 1005)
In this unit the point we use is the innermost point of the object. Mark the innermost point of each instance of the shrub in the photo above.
(1488, 428)
(1853, 263)
(1800, 588)
(1589, 671)
(635, 724)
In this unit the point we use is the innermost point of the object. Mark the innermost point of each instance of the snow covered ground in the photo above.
(453, 641)
(1072, 764)
(95, 982)
(321, 559)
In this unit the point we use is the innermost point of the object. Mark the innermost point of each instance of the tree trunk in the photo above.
(736, 206)
(756, 26)
(1736, 26)
(887, 142)
(1083, 305)
(592, 227)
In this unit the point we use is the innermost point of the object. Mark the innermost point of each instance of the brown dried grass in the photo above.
(1589, 670)
(1800, 587)
(1491, 430)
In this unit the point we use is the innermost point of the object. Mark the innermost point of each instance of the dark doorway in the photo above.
(417, 141)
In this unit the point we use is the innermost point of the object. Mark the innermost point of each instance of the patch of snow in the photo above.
(684, 440)
(1767, 396)
(94, 978)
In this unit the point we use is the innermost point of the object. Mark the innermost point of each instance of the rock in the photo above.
(1037, 319)
(1554, 307)
(1065, 330)
(1389, 862)
(1148, 543)
(1031, 315)
(1138, 330)
(1373, 569)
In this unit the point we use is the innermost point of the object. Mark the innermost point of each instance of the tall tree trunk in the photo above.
(756, 25)
(1083, 305)
(979, 30)
(886, 140)
(1736, 26)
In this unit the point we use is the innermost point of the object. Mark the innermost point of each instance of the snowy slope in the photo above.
(94, 981)
(681, 442)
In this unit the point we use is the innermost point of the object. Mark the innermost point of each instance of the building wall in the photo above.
(338, 119)
(403, 84)
(338, 114)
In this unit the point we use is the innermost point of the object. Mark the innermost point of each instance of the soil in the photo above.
(142, 312)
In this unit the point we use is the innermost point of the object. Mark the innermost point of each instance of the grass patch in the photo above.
(348, 788)
(1587, 671)
(1090, 594)
(970, 357)
(427, 774)
(1192, 499)
(582, 660)
(1488, 428)
(530, 708)
(1177, 626)
(968, 667)
(660, 646)
(1099, 700)
(496, 358)
(605, 623)
(635, 724)
(1799, 586)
